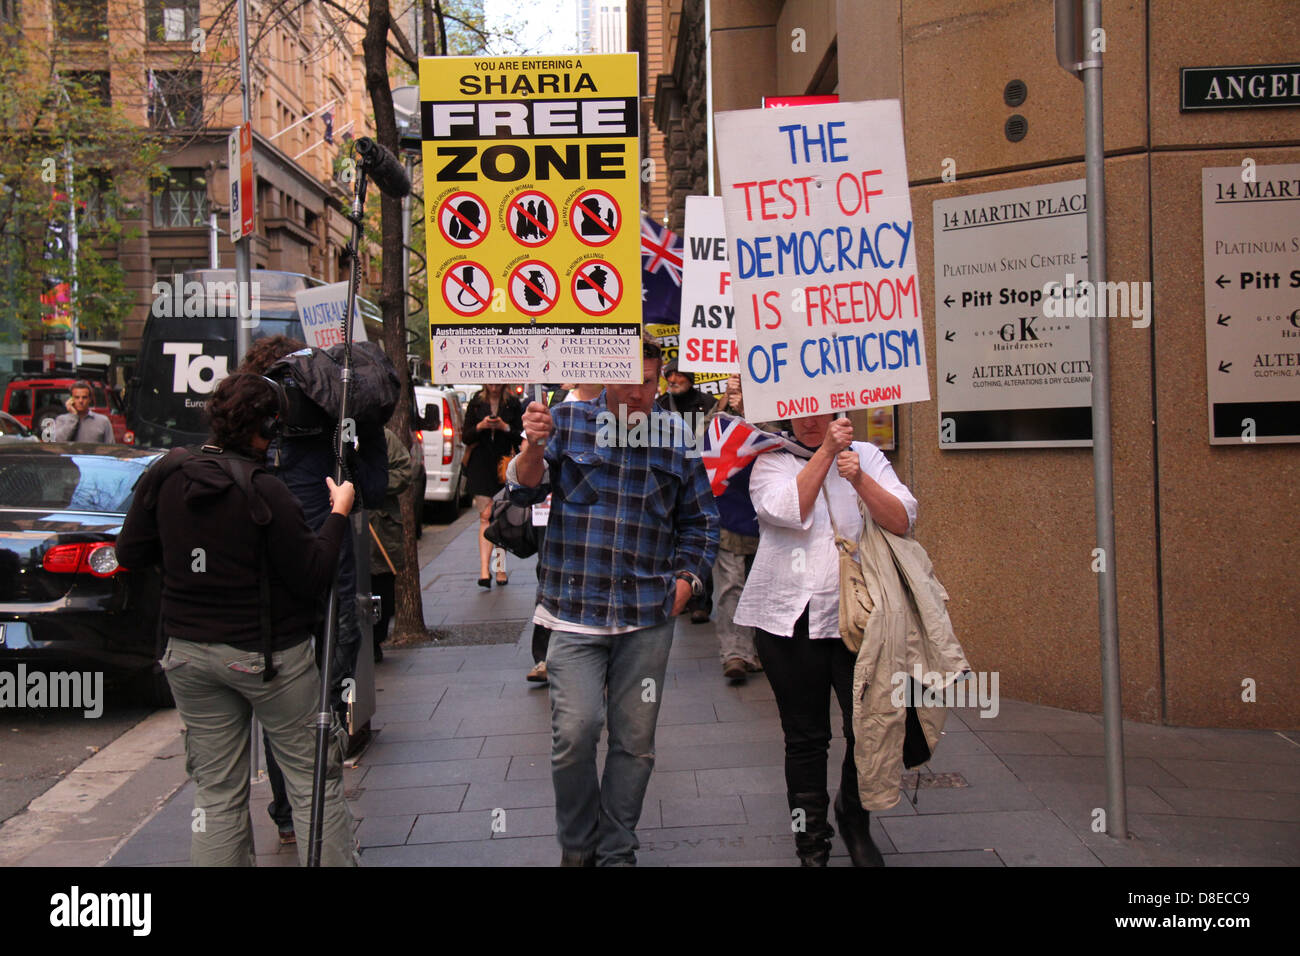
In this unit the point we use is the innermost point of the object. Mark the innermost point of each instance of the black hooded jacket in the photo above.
(211, 595)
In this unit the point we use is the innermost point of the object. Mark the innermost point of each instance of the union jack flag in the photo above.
(661, 273)
(731, 443)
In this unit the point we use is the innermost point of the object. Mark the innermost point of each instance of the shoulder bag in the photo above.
(855, 600)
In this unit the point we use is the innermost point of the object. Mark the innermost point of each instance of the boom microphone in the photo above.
(383, 168)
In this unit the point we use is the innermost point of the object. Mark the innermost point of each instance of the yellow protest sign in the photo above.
(532, 194)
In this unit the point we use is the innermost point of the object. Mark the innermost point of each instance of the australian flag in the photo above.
(731, 444)
(661, 273)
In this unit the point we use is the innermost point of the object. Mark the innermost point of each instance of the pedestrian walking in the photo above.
(492, 429)
(791, 599)
(80, 423)
(632, 532)
(243, 575)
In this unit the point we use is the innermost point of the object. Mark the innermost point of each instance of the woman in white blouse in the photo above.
(791, 599)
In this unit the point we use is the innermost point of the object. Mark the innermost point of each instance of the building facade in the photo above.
(173, 67)
(1207, 534)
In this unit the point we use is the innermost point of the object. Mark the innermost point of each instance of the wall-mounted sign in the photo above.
(1239, 87)
(1251, 231)
(1014, 369)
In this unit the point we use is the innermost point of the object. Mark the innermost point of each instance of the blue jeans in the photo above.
(626, 670)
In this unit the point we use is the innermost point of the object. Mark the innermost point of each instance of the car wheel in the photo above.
(153, 690)
(43, 422)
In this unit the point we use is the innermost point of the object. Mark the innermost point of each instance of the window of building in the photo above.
(175, 99)
(181, 200)
(172, 21)
(165, 269)
(91, 85)
(81, 19)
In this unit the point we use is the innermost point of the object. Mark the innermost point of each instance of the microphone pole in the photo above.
(324, 715)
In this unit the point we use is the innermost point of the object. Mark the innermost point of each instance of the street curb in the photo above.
(73, 801)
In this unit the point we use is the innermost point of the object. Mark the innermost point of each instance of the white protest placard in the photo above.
(320, 310)
(820, 235)
(708, 333)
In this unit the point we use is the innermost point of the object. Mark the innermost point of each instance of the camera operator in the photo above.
(242, 579)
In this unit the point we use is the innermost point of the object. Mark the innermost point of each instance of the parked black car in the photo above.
(63, 595)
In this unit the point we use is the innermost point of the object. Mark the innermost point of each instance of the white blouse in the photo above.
(797, 564)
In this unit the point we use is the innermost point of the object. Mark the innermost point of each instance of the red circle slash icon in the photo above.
(534, 287)
(595, 217)
(463, 219)
(467, 288)
(531, 218)
(597, 287)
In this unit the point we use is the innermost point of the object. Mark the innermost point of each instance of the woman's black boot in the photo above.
(812, 843)
(855, 830)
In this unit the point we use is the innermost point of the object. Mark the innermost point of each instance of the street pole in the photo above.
(243, 246)
(1080, 42)
(72, 259)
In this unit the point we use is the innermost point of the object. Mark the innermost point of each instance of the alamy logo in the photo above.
(639, 430)
(73, 690)
(77, 909)
(933, 689)
(223, 300)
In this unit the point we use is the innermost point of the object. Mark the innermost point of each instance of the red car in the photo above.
(35, 399)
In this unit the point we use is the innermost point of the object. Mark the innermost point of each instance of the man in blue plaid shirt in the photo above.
(633, 531)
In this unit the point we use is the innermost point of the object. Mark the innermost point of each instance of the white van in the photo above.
(441, 418)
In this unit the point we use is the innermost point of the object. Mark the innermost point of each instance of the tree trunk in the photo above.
(409, 614)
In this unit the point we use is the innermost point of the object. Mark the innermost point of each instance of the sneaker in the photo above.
(287, 836)
(538, 674)
(734, 669)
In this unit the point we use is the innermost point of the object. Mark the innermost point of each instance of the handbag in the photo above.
(502, 463)
(855, 599)
(510, 526)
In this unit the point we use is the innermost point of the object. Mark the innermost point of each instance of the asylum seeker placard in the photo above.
(708, 336)
(821, 241)
(532, 193)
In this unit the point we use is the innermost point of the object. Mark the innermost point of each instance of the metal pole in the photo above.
(72, 259)
(243, 247)
(324, 714)
(1103, 491)
(214, 259)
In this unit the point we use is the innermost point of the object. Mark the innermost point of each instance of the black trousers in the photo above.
(803, 674)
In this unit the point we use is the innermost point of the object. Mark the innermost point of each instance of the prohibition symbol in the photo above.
(597, 287)
(531, 218)
(467, 288)
(534, 287)
(463, 219)
(595, 217)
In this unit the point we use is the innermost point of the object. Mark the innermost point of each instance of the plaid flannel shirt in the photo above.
(624, 521)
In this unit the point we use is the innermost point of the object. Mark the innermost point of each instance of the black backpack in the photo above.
(241, 470)
(311, 383)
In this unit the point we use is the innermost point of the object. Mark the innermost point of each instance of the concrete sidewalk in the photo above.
(458, 773)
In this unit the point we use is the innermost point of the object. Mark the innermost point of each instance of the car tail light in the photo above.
(419, 437)
(128, 438)
(98, 558)
(447, 434)
(63, 558)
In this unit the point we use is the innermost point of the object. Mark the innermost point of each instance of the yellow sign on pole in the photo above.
(532, 192)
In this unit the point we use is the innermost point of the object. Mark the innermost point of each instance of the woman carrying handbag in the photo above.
(494, 424)
(792, 600)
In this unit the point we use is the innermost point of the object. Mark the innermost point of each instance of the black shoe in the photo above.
(855, 830)
(813, 844)
(485, 583)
